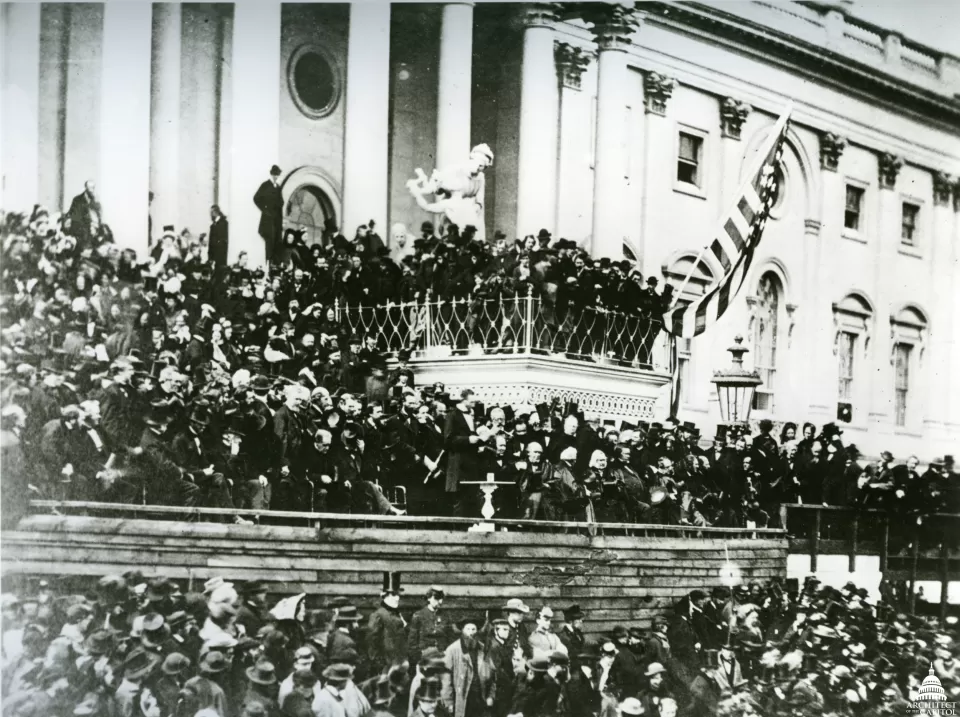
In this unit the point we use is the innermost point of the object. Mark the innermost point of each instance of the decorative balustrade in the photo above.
(512, 325)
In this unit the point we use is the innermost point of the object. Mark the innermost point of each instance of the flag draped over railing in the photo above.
(734, 243)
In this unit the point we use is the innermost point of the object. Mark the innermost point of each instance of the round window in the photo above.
(314, 82)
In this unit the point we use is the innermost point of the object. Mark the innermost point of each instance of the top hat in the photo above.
(711, 659)
(391, 583)
(263, 673)
(429, 690)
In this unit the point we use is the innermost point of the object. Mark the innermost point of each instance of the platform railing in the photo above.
(512, 324)
(322, 521)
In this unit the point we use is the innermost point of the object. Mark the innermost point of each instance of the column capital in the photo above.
(943, 187)
(657, 89)
(733, 113)
(572, 62)
(613, 24)
(889, 165)
(539, 14)
(831, 149)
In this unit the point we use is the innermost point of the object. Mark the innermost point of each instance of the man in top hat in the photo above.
(543, 641)
(269, 200)
(386, 641)
(571, 632)
(471, 687)
(427, 697)
(429, 626)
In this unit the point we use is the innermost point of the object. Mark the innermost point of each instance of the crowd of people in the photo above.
(133, 646)
(179, 379)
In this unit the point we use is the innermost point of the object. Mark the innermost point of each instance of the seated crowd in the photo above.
(184, 381)
(147, 647)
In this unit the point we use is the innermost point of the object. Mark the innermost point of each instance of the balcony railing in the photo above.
(322, 521)
(513, 325)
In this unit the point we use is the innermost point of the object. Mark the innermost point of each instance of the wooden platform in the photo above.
(621, 579)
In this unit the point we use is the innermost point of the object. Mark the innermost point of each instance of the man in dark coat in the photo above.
(386, 639)
(460, 441)
(429, 627)
(219, 238)
(84, 216)
(269, 200)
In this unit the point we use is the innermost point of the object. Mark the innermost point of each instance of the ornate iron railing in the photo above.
(513, 325)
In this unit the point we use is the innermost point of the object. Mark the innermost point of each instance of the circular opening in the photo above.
(314, 82)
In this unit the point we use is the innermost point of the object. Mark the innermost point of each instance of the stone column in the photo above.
(881, 416)
(822, 396)
(366, 144)
(658, 149)
(943, 310)
(455, 84)
(20, 118)
(571, 62)
(254, 118)
(165, 116)
(611, 136)
(539, 110)
(125, 121)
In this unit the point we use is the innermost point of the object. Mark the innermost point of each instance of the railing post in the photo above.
(914, 566)
(885, 544)
(783, 515)
(815, 541)
(428, 319)
(528, 319)
(336, 309)
(944, 579)
(852, 558)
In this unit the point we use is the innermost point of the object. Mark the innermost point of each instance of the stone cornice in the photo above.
(806, 58)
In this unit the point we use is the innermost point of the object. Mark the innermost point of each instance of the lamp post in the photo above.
(735, 387)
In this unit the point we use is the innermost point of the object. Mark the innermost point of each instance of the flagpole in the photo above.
(761, 157)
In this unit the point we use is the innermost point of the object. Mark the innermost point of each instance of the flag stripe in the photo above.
(733, 247)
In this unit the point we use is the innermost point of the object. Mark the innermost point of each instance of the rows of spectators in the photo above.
(181, 380)
(149, 647)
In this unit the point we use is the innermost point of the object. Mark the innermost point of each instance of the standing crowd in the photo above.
(132, 646)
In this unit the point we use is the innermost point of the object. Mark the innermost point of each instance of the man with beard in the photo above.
(429, 627)
(386, 642)
(471, 687)
(119, 415)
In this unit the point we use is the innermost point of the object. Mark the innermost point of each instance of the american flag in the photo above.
(734, 243)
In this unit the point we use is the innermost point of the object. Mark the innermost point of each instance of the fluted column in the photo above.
(20, 119)
(571, 62)
(611, 136)
(165, 115)
(539, 109)
(454, 87)
(125, 121)
(254, 118)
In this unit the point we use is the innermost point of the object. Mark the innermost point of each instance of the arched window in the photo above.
(766, 329)
(853, 319)
(307, 209)
(908, 331)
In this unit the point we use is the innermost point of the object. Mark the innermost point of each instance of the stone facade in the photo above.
(836, 240)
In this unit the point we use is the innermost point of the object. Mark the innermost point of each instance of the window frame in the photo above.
(779, 347)
(688, 188)
(859, 233)
(854, 314)
(916, 248)
(908, 327)
(901, 413)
